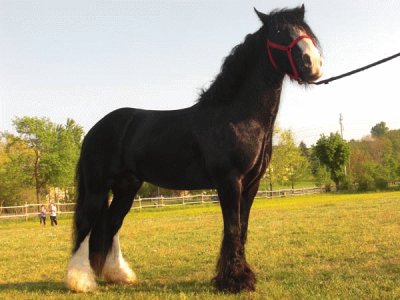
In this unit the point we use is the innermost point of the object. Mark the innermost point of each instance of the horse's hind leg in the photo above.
(116, 269)
(105, 252)
(80, 277)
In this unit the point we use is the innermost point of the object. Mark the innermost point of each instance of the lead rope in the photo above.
(326, 81)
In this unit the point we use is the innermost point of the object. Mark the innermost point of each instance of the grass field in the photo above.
(315, 247)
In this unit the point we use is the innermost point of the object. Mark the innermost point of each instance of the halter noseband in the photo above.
(288, 50)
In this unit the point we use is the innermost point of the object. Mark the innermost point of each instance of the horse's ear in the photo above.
(302, 11)
(261, 16)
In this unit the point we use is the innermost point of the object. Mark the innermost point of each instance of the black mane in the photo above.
(234, 69)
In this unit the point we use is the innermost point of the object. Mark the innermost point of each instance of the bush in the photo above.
(322, 178)
(365, 183)
(381, 183)
(345, 183)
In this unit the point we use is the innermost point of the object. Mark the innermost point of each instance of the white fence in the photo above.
(32, 210)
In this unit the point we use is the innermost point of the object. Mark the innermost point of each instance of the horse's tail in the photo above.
(89, 203)
(80, 196)
(80, 276)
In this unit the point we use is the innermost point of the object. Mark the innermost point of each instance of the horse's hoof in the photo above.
(244, 281)
(121, 274)
(231, 285)
(80, 281)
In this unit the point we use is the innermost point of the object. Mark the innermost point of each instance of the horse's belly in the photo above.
(178, 174)
(183, 184)
(177, 180)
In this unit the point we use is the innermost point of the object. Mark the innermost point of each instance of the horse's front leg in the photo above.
(232, 269)
(246, 202)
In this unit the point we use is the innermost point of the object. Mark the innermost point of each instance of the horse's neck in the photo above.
(251, 92)
(259, 98)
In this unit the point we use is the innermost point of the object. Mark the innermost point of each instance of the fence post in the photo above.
(183, 200)
(140, 203)
(26, 211)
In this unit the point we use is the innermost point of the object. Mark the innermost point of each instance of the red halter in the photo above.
(288, 50)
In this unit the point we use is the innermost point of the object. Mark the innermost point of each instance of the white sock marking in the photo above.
(116, 269)
(80, 276)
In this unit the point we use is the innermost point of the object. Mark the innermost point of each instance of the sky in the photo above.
(83, 59)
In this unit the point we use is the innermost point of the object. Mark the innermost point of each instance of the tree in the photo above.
(333, 152)
(379, 129)
(270, 176)
(15, 165)
(375, 161)
(43, 156)
(39, 134)
(394, 137)
(320, 172)
(69, 140)
(55, 148)
(288, 164)
(304, 150)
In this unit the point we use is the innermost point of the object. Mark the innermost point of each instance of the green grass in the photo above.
(264, 185)
(315, 247)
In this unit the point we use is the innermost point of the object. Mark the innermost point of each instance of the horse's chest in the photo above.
(240, 145)
(250, 151)
(247, 136)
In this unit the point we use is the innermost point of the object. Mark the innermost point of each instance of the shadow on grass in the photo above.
(143, 286)
(187, 286)
(38, 286)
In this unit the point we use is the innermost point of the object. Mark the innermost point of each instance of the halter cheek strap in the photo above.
(288, 49)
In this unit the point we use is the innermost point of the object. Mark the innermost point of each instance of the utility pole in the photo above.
(341, 125)
(341, 134)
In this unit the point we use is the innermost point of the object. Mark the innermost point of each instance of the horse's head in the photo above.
(291, 45)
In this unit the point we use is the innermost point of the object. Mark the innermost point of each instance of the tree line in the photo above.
(42, 156)
(371, 163)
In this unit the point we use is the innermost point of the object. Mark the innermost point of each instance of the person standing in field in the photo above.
(42, 215)
(53, 214)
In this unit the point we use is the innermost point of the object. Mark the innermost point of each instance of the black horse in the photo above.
(222, 142)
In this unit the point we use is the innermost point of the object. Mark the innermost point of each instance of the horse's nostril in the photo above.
(307, 60)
